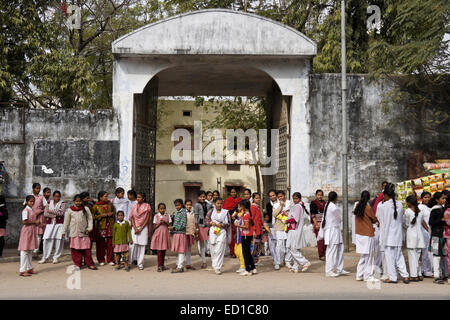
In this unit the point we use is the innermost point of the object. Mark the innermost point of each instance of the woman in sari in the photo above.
(230, 204)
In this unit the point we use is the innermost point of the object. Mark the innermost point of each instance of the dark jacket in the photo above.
(3, 216)
(436, 223)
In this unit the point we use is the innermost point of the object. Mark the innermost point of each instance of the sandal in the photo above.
(421, 278)
(159, 269)
(31, 271)
(203, 266)
(24, 274)
(190, 267)
(92, 268)
(389, 281)
(406, 280)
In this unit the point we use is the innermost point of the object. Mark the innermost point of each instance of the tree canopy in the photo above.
(46, 64)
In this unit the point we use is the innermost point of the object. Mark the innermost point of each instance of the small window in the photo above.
(192, 167)
(233, 167)
(187, 113)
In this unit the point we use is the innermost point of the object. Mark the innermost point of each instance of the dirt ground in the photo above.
(107, 283)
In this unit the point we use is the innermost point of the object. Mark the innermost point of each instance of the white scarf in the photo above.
(45, 202)
(273, 203)
(52, 207)
(220, 217)
(121, 223)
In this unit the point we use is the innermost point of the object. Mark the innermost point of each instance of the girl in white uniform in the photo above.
(282, 207)
(364, 220)
(296, 237)
(413, 221)
(391, 236)
(330, 231)
(218, 235)
(54, 215)
(427, 256)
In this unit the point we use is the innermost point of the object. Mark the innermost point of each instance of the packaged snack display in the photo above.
(425, 181)
(441, 186)
(401, 195)
(436, 178)
(417, 182)
(434, 187)
(408, 184)
(400, 186)
(419, 192)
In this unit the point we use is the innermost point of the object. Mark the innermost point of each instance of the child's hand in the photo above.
(170, 228)
(37, 222)
(131, 242)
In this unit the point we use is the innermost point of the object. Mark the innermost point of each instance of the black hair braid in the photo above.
(413, 201)
(390, 192)
(331, 197)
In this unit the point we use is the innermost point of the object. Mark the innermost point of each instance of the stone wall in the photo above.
(380, 144)
(66, 150)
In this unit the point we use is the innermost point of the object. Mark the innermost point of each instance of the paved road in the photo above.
(106, 283)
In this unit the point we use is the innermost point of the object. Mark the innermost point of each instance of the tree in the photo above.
(413, 52)
(238, 113)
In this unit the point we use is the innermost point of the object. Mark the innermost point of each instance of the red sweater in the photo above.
(257, 219)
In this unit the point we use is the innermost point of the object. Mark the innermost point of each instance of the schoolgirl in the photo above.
(437, 223)
(426, 256)
(219, 222)
(121, 240)
(54, 215)
(364, 220)
(201, 209)
(330, 231)
(121, 203)
(139, 217)
(269, 220)
(38, 211)
(28, 237)
(390, 214)
(191, 232)
(161, 239)
(179, 240)
(280, 212)
(413, 222)
(296, 238)
(247, 236)
(255, 209)
(78, 219)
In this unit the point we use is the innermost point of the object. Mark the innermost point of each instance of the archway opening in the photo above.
(166, 104)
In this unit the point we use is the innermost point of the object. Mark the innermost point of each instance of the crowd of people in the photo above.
(123, 226)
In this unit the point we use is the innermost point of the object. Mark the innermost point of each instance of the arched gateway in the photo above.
(212, 52)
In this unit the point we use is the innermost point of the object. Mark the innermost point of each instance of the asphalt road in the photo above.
(107, 283)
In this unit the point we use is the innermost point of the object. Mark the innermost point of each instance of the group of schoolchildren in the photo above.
(381, 228)
(121, 229)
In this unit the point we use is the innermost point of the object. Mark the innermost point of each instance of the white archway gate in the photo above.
(212, 52)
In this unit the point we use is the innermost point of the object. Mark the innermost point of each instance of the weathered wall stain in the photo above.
(67, 150)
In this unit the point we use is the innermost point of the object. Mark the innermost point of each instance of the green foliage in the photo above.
(48, 65)
(413, 53)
